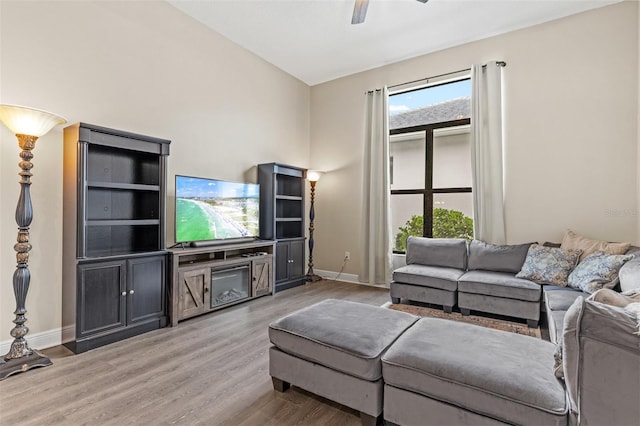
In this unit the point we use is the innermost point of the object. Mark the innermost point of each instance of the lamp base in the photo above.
(312, 278)
(19, 365)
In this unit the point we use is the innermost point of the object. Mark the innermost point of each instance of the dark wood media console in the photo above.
(205, 279)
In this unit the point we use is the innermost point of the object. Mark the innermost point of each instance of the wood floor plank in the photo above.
(209, 370)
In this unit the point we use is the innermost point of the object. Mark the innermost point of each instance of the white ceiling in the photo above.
(314, 40)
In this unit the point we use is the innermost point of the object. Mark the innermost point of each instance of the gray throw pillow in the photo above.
(489, 257)
(549, 265)
(446, 252)
(598, 270)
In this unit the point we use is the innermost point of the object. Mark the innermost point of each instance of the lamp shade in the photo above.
(313, 175)
(28, 121)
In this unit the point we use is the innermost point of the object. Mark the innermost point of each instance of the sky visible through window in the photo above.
(403, 102)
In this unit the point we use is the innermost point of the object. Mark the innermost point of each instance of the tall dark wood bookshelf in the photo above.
(282, 213)
(114, 261)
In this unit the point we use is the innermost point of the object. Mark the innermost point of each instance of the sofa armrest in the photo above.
(601, 363)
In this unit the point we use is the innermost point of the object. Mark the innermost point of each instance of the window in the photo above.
(430, 146)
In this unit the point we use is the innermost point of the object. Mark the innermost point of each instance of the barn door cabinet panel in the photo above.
(261, 278)
(114, 261)
(194, 286)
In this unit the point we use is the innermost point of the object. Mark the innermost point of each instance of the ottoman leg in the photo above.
(368, 420)
(532, 323)
(280, 385)
(447, 309)
(464, 311)
(395, 300)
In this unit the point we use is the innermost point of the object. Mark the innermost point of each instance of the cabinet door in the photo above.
(194, 291)
(296, 256)
(101, 297)
(261, 277)
(146, 283)
(282, 261)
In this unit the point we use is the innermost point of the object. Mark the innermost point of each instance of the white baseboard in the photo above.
(68, 333)
(349, 278)
(42, 340)
(330, 275)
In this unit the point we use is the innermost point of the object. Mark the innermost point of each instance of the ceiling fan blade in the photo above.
(359, 11)
(423, 1)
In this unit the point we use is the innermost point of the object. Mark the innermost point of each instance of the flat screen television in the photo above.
(215, 210)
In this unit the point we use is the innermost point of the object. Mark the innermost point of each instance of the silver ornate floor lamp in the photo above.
(28, 125)
(313, 177)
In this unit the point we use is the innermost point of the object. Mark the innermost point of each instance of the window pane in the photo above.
(406, 218)
(432, 104)
(407, 152)
(453, 215)
(452, 157)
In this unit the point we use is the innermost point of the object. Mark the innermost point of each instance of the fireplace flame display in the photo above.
(229, 285)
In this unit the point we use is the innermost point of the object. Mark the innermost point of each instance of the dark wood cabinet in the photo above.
(114, 261)
(289, 261)
(282, 218)
(146, 289)
(101, 287)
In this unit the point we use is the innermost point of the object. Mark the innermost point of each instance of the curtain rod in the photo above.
(498, 63)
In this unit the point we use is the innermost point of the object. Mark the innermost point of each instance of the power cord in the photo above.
(344, 263)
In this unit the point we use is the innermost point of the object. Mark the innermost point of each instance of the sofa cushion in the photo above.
(559, 298)
(500, 284)
(346, 336)
(502, 375)
(489, 257)
(447, 252)
(548, 265)
(598, 270)
(573, 241)
(428, 276)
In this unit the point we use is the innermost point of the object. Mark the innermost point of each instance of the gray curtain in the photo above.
(376, 259)
(486, 152)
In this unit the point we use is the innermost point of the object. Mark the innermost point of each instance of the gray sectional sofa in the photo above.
(482, 277)
(430, 371)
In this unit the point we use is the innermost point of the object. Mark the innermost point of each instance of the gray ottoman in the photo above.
(333, 349)
(453, 373)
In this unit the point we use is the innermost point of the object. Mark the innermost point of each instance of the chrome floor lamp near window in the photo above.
(313, 177)
(28, 125)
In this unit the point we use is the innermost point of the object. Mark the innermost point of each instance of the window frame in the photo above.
(428, 191)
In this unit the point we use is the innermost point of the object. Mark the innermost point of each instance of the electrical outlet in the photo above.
(347, 255)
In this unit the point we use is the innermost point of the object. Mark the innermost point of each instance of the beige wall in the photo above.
(144, 67)
(571, 102)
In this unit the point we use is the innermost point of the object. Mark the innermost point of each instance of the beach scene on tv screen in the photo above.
(210, 209)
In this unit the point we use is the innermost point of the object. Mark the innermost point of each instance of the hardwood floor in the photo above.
(212, 370)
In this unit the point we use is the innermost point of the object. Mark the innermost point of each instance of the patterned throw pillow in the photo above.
(549, 265)
(598, 270)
